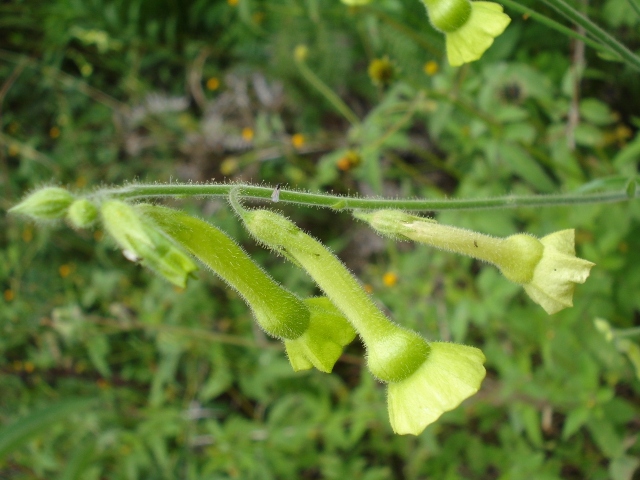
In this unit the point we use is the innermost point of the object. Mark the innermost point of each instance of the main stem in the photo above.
(339, 202)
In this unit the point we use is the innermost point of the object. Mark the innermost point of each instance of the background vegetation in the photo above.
(182, 383)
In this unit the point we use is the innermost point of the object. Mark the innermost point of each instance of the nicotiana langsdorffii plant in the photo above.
(424, 378)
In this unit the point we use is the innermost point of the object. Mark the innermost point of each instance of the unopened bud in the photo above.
(143, 241)
(48, 203)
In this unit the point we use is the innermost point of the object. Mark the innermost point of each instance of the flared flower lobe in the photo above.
(450, 374)
(469, 42)
(557, 272)
(322, 342)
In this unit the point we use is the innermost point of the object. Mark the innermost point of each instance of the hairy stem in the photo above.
(339, 202)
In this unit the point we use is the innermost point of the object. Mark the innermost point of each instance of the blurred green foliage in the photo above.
(96, 92)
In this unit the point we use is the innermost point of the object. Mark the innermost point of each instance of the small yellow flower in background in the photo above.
(300, 53)
(381, 71)
(350, 160)
(29, 367)
(64, 270)
(9, 295)
(247, 134)
(102, 383)
(297, 140)
(14, 150)
(258, 17)
(54, 132)
(389, 279)
(229, 166)
(344, 164)
(213, 84)
(233, 3)
(27, 235)
(431, 68)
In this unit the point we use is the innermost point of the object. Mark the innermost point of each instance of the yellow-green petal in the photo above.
(450, 374)
(321, 344)
(470, 41)
(557, 272)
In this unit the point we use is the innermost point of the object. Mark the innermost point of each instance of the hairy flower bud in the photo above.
(50, 203)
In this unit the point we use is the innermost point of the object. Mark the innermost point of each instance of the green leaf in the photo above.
(623, 468)
(21, 431)
(595, 111)
(575, 419)
(78, 461)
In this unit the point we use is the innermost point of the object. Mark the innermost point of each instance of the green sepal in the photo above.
(448, 15)
(82, 213)
(50, 203)
(321, 344)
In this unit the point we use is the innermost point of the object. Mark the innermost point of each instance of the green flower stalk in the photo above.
(395, 355)
(50, 203)
(469, 27)
(314, 331)
(547, 268)
(142, 241)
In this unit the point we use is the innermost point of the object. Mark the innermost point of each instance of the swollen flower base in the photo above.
(548, 268)
(469, 27)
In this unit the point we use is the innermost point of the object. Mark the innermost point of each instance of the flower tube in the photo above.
(547, 268)
(395, 355)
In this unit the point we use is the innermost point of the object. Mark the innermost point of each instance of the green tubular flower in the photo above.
(547, 268)
(395, 355)
(50, 203)
(450, 374)
(313, 330)
(469, 27)
(142, 241)
(393, 352)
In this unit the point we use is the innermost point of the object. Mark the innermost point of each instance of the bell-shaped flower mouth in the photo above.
(476, 35)
(557, 272)
(450, 374)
